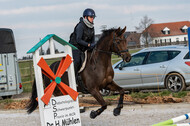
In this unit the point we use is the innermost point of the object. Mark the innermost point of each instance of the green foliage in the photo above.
(142, 95)
(180, 94)
(6, 101)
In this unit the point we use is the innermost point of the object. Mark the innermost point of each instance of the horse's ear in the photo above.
(118, 31)
(123, 30)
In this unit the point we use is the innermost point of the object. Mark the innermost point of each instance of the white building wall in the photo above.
(173, 38)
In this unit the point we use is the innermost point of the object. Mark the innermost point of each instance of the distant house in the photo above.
(166, 33)
(133, 39)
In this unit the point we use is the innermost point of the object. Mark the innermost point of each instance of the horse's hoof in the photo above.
(116, 111)
(93, 114)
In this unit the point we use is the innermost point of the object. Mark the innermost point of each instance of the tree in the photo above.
(42, 52)
(143, 25)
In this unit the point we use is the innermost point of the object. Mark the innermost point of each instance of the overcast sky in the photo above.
(31, 20)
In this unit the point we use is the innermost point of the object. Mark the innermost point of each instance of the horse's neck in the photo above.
(101, 56)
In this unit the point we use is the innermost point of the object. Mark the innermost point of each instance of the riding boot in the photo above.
(81, 85)
(79, 81)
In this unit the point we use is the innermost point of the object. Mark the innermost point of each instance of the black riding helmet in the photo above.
(89, 12)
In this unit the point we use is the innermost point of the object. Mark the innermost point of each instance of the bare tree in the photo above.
(143, 25)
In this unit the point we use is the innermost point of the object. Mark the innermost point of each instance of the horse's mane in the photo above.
(106, 33)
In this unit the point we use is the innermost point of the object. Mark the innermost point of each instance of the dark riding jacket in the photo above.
(82, 36)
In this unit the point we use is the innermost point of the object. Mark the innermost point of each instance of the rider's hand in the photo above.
(92, 45)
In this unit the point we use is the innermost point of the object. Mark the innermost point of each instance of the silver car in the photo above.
(155, 68)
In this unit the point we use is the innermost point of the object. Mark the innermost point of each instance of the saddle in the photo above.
(81, 87)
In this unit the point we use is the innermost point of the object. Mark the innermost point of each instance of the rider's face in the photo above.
(91, 19)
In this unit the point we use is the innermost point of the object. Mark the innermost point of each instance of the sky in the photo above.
(32, 20)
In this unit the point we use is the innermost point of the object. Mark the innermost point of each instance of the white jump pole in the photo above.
(174, 120)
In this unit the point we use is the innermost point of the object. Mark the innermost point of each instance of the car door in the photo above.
(128, 75)
(153, 71)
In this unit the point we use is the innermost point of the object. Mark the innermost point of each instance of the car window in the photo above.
(187, 56)
(173, 54)
(157, 56)
(135, 60)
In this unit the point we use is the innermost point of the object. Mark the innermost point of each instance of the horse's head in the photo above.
(119, 44)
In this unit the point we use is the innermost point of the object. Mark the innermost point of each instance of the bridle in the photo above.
(114, 45)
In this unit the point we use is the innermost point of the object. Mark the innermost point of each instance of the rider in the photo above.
(83, 37)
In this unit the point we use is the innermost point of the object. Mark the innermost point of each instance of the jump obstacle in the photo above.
(62, 110)
(171, 122)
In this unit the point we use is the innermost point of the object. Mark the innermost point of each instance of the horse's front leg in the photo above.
(96, 94)
(114, 87)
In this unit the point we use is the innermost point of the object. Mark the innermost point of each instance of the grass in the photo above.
(6, 101)
(162, 93)
(180, 94)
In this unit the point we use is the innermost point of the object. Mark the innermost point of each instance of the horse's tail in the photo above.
(33, 103)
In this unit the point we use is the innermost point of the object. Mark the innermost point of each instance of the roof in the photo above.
(45, 39)
(155, 30)
(134, 37)
(7, 41)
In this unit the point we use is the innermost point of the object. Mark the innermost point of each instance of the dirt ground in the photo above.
(88, 101)
(136, 112)
(131, 115)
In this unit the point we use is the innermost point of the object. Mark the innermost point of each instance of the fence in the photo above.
(27, 72)
(158, 44)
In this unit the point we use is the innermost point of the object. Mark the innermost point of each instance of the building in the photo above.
(133, 39)
(166, 33)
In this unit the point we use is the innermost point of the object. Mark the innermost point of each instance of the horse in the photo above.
(98, 73)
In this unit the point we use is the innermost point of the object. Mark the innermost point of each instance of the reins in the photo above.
(108, 52)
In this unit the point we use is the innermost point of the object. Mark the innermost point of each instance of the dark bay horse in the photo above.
(98, 73)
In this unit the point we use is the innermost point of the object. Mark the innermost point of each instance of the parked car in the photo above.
(155, 68)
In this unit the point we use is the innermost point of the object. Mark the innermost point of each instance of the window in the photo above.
(156, 41)
(166, 31)
(184, 29)
(187, 56)
(157, 56)
(185, 39)
(177, 39)
(173, 54)
(135, 60)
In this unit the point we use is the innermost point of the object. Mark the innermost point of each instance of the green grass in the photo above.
(180, 94)
(6, 101)
(142, 95)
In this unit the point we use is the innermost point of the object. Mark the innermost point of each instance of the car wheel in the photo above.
(105, 92)
(175, 82)
(6, 97)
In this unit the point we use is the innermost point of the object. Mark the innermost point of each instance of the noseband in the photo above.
(115, 45)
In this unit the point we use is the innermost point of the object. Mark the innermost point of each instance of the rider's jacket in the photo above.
(82, 36)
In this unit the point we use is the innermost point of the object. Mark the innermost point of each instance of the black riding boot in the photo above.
(77, 64)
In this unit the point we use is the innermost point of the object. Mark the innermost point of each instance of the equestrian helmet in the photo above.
(89, 12)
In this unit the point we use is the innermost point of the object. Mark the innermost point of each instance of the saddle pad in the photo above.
(84, 63)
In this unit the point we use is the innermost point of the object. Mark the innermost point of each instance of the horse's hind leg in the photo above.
(96, 94)
(114, 87)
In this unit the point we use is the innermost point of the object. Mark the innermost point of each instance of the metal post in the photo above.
(188, 31)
